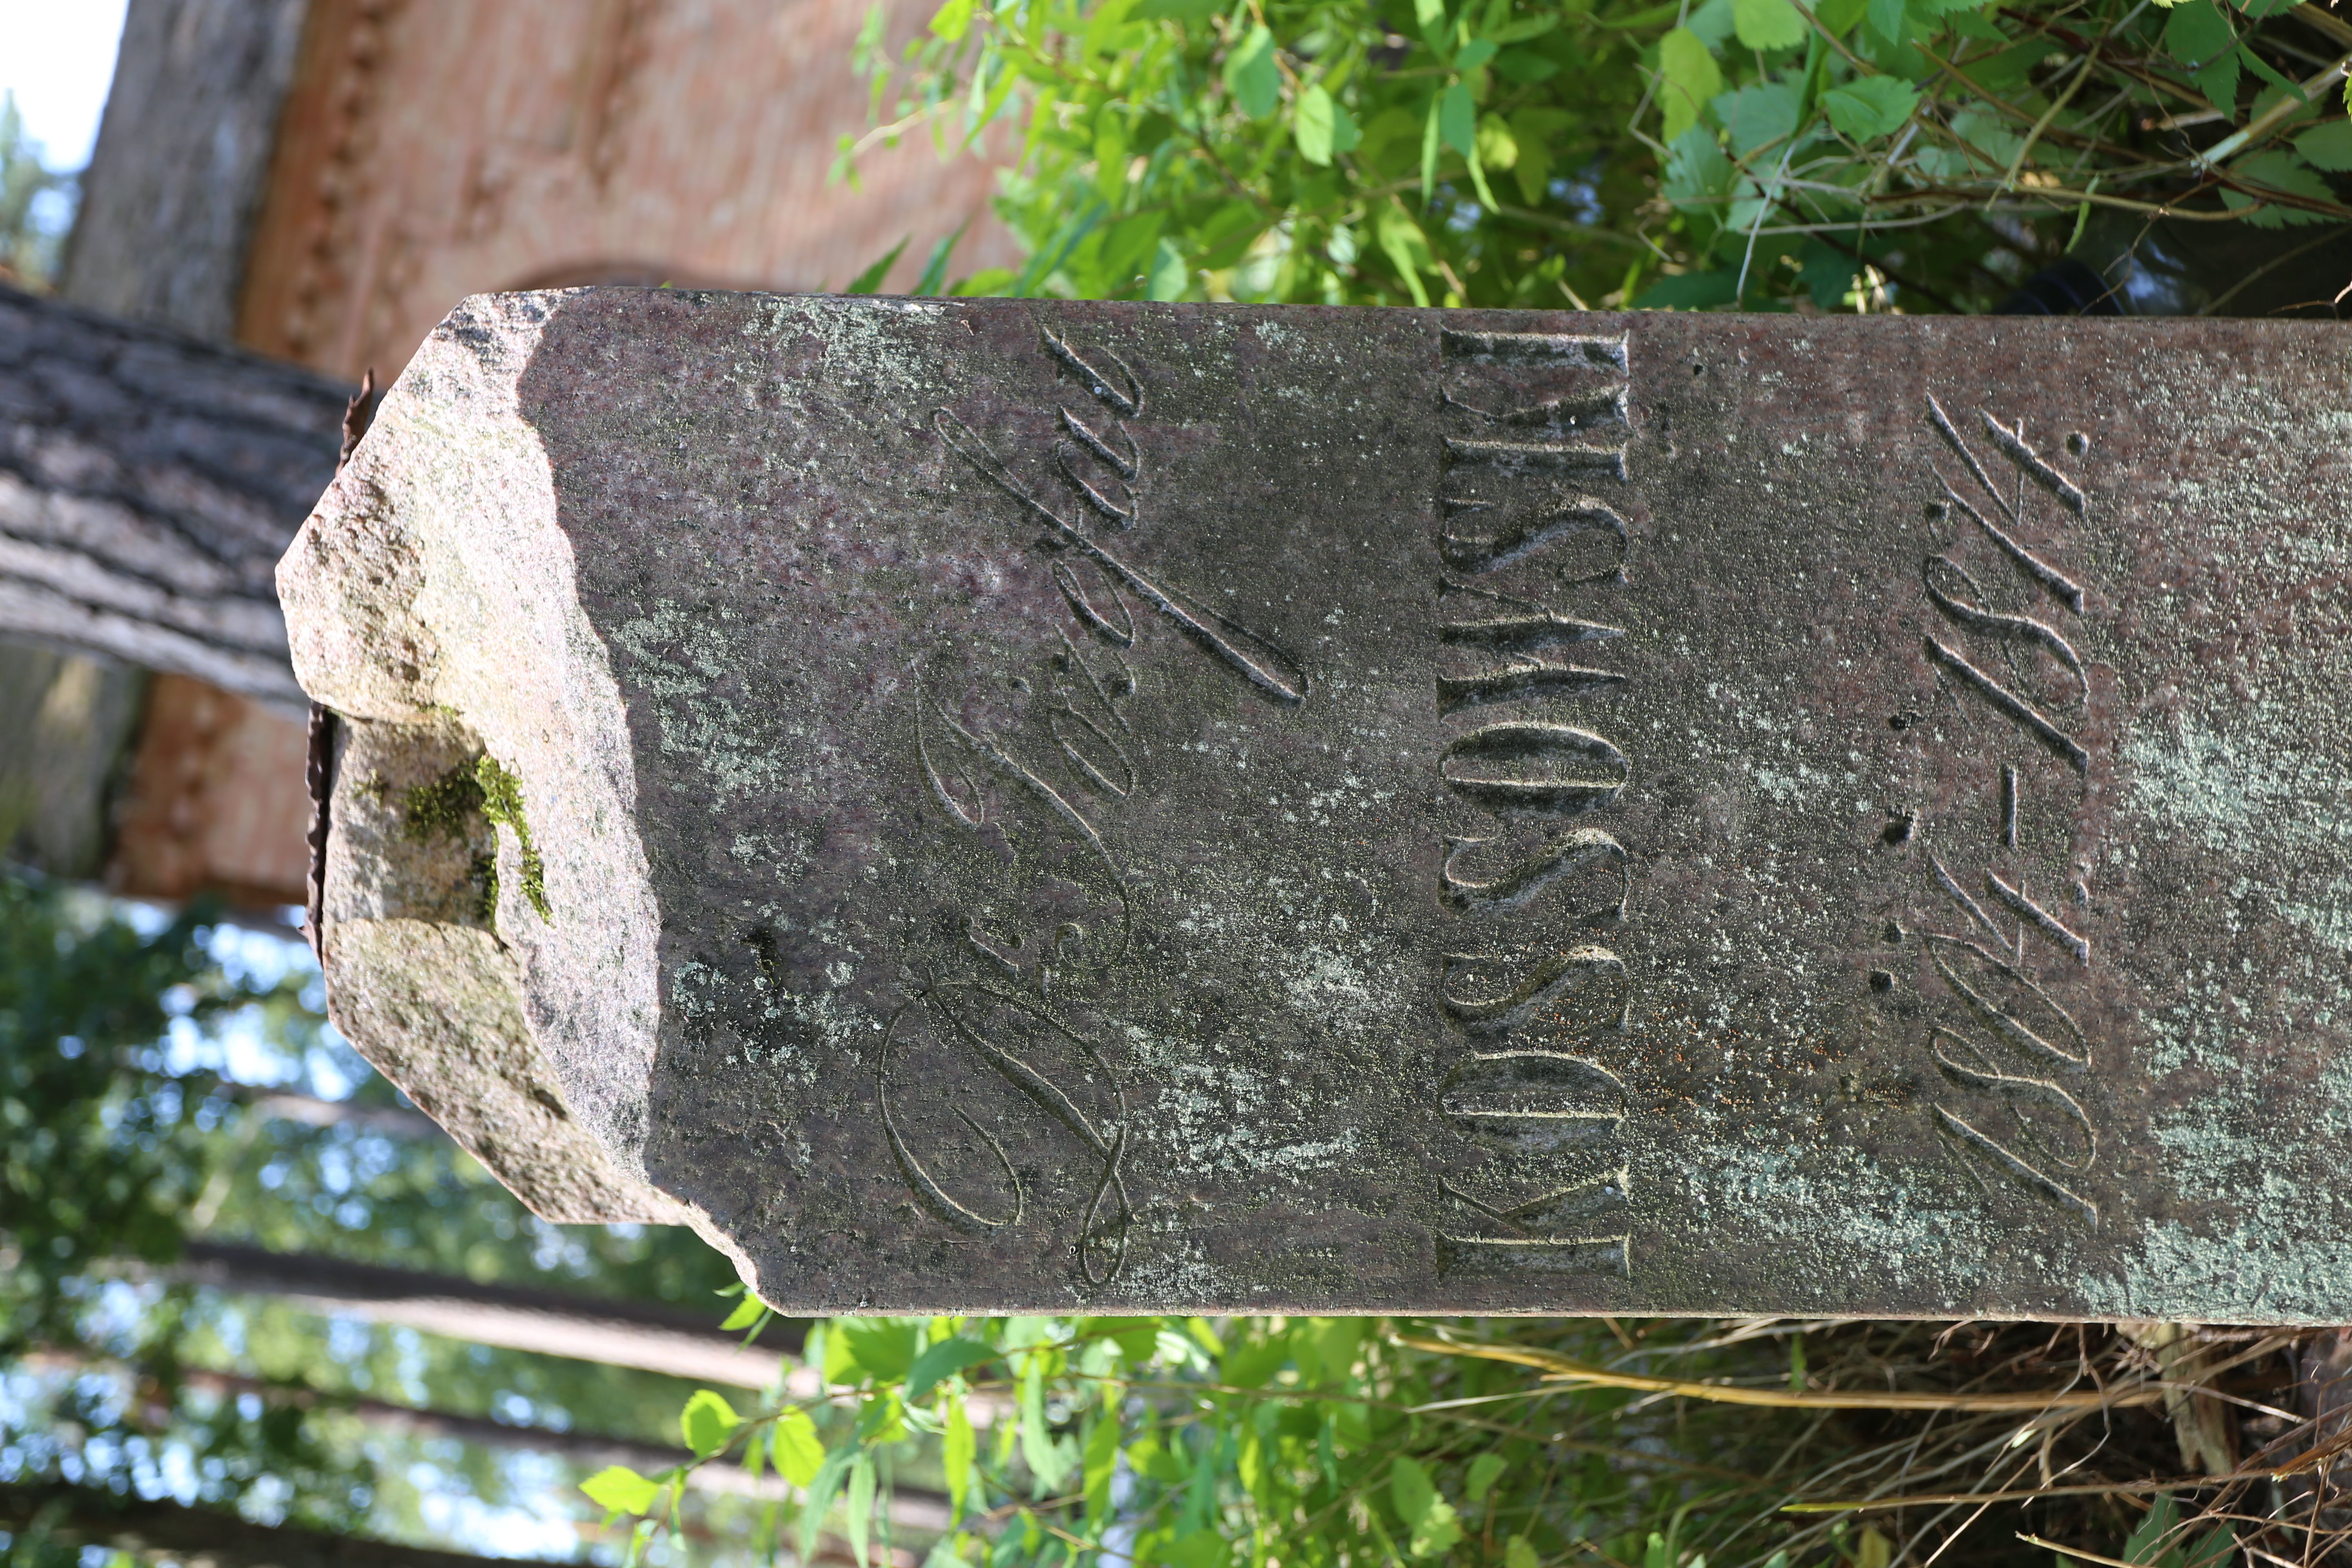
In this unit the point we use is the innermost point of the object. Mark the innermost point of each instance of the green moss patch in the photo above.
(443, 807)
(501, 797)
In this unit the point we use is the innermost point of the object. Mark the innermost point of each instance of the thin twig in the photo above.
(1560, 1369)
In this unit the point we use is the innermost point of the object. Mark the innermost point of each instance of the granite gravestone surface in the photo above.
(1022, 806)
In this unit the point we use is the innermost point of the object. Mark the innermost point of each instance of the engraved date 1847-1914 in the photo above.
(2006, 954)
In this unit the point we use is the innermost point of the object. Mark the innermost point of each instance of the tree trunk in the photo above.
(79, 1516)
(643, 1334)
(148, 485)
(169, 198)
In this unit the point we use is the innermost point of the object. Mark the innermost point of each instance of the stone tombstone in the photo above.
(1020, 805)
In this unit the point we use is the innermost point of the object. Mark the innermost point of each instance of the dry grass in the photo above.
(1901, 1445)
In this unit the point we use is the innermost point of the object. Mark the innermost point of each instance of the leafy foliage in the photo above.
(1827, 153)
(29, 233)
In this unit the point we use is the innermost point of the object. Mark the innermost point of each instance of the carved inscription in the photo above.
(1535, 998)
(1050, 916)
(1999, 942)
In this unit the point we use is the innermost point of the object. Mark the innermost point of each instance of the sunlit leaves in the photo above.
(1431, 1525)
(620, 1490)
(799, 1452)
(1250, 71)
(1506, 153)
(956, 1452)
(1406, 247)
(1322, 127)
(1689, 80)
(707, 1423)
(1768, 24)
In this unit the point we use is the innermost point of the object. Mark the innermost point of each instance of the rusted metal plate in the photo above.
(1193, 807)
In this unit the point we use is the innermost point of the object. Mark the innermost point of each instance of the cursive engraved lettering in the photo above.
(1247, 654)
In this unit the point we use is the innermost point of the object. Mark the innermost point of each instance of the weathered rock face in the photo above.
(1019, 806)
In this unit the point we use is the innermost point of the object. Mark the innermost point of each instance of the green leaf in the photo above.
(2145, 1544)
(1759, 116)
(1194, 11)
(1406, 247)
(1429, 141)
(952, 20)
(882, 1348)
(1712, 24)
(935, 266)
(2277, 170)
(1251, 73)
(1099, 1464)
(1837, 17)
(1457, 119)
(1498, 147)
(709, 1423)
(2219, 82)
(1485, 1471)
(2197, 33)
(1768, 24)
(2327, 146)
(1201, 1549)
(1689, 80)
(1518, 1551)
(819, 1501)
(947, 1357)
(1871, 106)
(871, 278)
(747, 1311)
(1691, 291)
(1038, 1450)
(1532, 169)
(955, 1450)
(857, 1508)
(1887, 19)
(1827, 275)
(1169, 276)
(799, 1452)
(1474, 54)
(1697, 175)
(620, 1490)
(1428, 1517)
(1313, 126)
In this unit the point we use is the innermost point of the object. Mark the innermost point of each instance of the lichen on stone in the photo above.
(501, 794)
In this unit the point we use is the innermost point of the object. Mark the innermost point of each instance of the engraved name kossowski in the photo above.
(1535, 999)
(2006, 950)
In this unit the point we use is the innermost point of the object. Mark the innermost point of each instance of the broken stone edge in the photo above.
(532, 1041)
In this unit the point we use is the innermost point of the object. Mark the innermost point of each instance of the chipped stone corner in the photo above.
(420, 983)
(488, 928)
